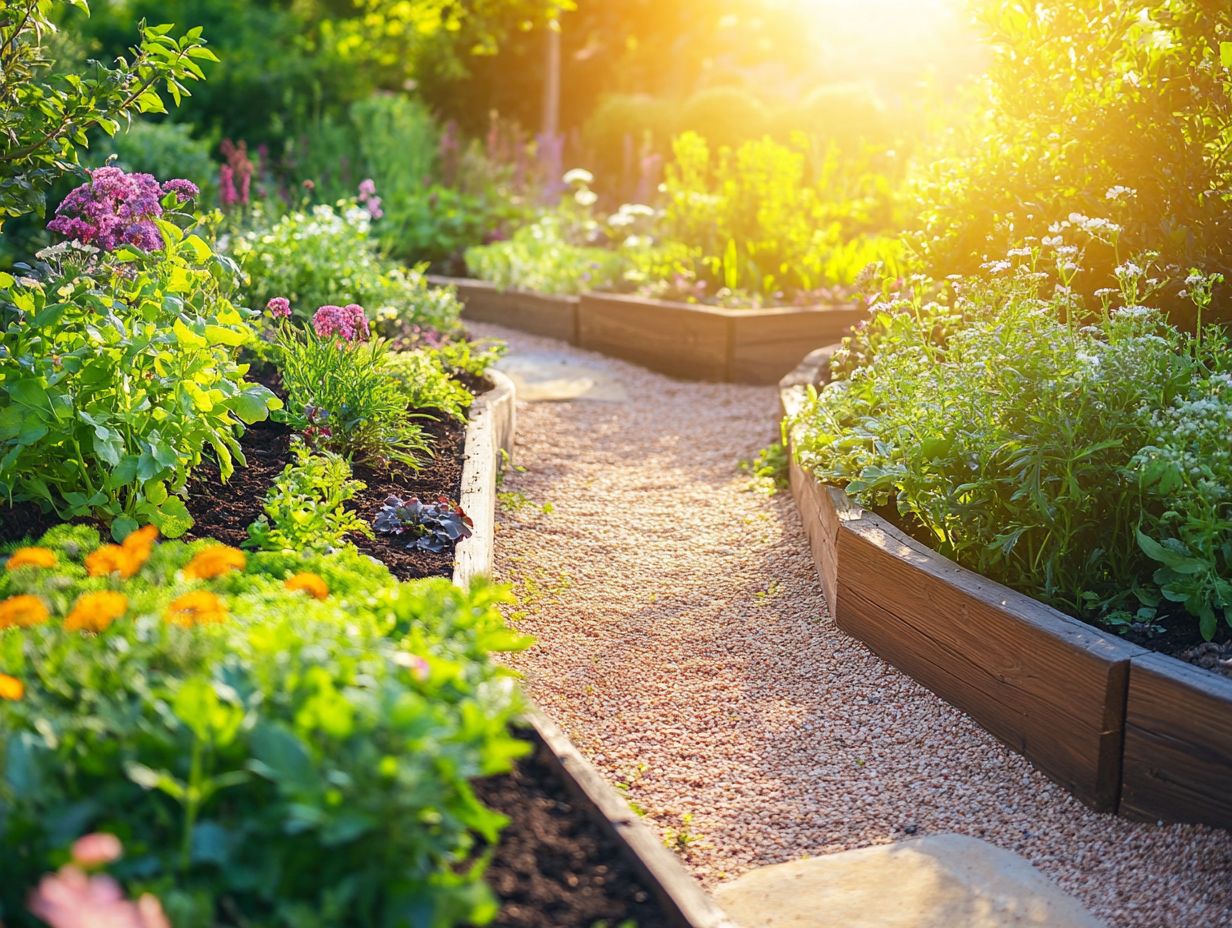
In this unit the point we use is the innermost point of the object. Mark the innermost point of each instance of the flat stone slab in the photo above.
(546, 377)
(940, 881)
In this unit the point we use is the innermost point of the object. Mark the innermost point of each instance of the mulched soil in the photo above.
(225, 510)
(554, 867)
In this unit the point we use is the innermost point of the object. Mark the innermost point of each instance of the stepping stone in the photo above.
(545, 377)
(940, 881)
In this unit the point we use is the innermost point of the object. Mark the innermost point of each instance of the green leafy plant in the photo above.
(427, 384)
(305, 509)
(45, 116)
(284, 736)
(119, 372)
(341, 398)
(1056, 447)
(328, 253)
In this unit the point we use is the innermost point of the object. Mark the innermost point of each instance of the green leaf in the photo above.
(1225, 54)
(172, 518)
(281, 757)
(186, 337)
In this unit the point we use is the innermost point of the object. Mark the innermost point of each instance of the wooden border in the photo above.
(537, 313)
(490, 431)
(1047, 685)
(1178, 743)
(698, 342)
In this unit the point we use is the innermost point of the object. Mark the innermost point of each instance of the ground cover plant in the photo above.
(1060, 447)
(275, 737)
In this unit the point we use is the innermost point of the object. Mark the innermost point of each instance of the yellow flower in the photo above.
(214, 562)
(11, 688)
(114, 559)
(31, 557)
(309, 583)
(93, 612)
(22, 611)
(200, 607)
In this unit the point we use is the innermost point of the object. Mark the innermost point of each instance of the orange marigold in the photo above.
(22, 611)
(141, 541)
(11, 688)
(31, 557)
(114, 559)
(93, 612)
(311, 584)
(200, 607)
(214, 562)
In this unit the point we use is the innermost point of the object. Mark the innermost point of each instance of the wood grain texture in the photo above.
(490, 428)
(682, 897)
(768, 343)
(536, 313)
(1047, 685)
(689, 342)
(1178, 743)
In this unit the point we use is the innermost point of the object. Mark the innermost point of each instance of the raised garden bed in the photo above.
(686, 340)
(1121, 727)
(537, 313)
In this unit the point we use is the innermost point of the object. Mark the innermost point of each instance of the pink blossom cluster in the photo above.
(235, 176)
(347, 322)
(73, 898)
(368, 197)
(279, 307)
(115, 208)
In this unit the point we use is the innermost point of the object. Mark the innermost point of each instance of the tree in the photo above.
(45, 116)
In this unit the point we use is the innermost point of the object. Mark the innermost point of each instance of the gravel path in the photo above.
(686, 648)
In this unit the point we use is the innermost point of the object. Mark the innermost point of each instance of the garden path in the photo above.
(685, 647)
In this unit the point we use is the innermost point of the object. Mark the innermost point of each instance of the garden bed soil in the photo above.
(224, 511)
(554, 866)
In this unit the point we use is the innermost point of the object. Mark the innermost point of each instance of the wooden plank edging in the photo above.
(490, 430)
(1049, 686)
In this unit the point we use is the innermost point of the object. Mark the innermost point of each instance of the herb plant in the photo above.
(433, 527)
(427, 384)
(287, 736)
(305, 509)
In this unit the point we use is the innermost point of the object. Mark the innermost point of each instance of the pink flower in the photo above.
(72, 899)
(347, 322)
(367, 188)
(184, 190)
(374, 207)
(115, 208)
(279, 307)
(226, 186)
(96, 849)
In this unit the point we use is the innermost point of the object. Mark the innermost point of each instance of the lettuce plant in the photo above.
(119, 370)
(305, 509)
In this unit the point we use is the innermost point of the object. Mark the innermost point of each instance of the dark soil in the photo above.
(224, 511)
(24, 521)
(554, 867)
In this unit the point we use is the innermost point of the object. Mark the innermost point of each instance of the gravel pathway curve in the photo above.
(685, 646)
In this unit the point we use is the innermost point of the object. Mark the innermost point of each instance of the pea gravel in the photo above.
(684, 645)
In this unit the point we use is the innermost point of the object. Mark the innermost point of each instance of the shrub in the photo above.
(327, 254)
(724, 116)
(538, 257)
(120, 369)
(286, 736)
(1083, 96)
(426, 382)
(1048, 445)
(305, 509)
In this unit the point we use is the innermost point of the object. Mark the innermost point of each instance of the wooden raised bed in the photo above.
(1047, 685)
(489, 433)
(550, 316)
(699, 342)
(1178, 743)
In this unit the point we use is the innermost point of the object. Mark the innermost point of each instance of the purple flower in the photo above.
(226, 186)
(374, 207)
(279, 307)
(347, 322)
(184, 190)
(367, 188)
(114, 208)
